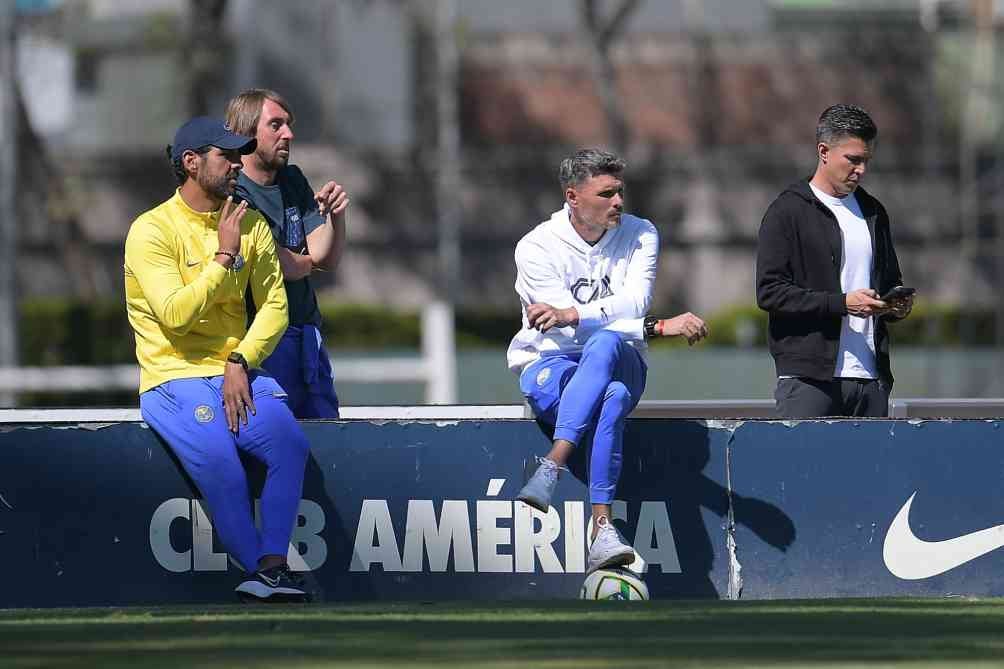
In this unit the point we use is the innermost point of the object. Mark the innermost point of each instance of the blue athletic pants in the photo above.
(591, 391)
(301, 366)
(188, 414)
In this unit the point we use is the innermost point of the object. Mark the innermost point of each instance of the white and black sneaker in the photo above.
(275, 584)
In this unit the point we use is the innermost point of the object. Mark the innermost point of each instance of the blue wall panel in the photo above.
(423, 510)
(843, 482)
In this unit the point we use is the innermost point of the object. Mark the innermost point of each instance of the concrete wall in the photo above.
(398, 510)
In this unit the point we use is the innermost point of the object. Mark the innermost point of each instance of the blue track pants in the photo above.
(188, 414)
(592, 391)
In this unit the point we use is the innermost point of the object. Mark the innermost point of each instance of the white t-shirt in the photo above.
(609, 283)
(856, 356)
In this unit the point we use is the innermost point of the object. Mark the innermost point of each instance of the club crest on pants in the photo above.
(204, 413)
(543, 375)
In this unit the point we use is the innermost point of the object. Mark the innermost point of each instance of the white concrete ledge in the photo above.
(420, 412)
(922, 407)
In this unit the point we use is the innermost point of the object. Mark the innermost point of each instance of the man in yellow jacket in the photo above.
(188, 263)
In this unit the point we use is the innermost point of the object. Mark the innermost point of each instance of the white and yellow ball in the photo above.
(622, 584)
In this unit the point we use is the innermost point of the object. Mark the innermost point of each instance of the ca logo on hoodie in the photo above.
(586, 290)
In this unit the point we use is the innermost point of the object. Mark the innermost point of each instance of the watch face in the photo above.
(238, 263)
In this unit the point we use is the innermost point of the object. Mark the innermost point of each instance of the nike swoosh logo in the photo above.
(193, 263)
(912, 559)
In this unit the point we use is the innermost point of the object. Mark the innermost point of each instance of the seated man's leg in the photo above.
(542, 383)
(579, 398)
(608, 440)
(273, 437)
(584, 392)
(189, 416)
(622, 395)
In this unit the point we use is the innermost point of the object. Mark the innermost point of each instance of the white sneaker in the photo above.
(608, 548)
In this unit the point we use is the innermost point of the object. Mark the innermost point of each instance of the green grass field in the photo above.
(819, 633)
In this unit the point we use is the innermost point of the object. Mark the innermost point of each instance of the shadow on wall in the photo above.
(683, 475)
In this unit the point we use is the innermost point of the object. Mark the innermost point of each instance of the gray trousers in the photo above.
(809, 398)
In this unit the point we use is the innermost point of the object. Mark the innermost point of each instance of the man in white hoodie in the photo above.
(584, 279)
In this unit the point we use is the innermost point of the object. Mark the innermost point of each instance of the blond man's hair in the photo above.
(244, 110)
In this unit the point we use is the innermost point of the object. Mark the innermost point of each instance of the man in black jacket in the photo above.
(824, 256)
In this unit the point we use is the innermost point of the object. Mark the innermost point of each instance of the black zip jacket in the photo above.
(799, 249)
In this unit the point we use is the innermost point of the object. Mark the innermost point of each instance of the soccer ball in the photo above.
(613, 584)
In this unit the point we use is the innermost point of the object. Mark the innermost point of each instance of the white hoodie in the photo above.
(609, 284)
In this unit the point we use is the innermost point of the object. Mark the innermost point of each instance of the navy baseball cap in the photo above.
(208, 131)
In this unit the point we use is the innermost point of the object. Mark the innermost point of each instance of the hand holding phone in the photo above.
(898, 293)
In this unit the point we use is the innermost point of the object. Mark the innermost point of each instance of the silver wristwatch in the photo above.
(236, 257)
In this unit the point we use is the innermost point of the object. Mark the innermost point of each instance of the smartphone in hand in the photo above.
(898, 293)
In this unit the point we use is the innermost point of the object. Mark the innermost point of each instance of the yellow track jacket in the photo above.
(187, 310)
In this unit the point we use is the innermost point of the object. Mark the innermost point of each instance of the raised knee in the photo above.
(606, 337)
(605, 343)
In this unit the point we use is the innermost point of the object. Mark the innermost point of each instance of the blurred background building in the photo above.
(446, 120)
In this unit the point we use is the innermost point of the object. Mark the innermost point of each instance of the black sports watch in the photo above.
(239, 359)
(650, 323)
